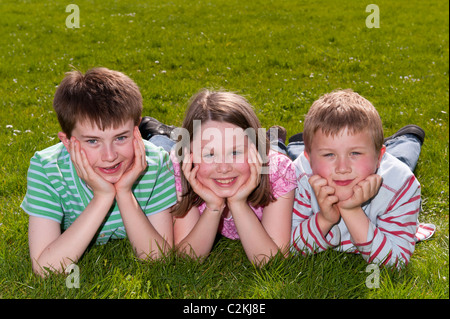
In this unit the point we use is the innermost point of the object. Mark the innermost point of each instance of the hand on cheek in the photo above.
(139, 164)
(255, 165)
(362, 192)
(85, 171)
(213, 202)
(326, 199)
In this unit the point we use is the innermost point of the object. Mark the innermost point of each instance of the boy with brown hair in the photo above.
(352, 195)
(103, 181)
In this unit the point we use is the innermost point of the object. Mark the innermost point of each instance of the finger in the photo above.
(71, 149)
(139, 153)
(186, 166)
(139, 148)
(255, 168)
(317, 182)
(258, 159)
(331, 200)
(359, 191)
(82, 161)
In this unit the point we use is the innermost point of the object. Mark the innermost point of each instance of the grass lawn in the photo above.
(282, 55)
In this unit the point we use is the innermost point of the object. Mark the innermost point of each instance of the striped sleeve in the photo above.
(391, 242)
(160, 180)
(306, 235)
(41, 199)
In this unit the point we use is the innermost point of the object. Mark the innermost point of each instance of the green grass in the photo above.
(282, 55)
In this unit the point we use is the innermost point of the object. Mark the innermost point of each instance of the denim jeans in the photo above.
(162, 140)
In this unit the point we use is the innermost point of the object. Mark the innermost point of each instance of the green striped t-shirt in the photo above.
(55, 191)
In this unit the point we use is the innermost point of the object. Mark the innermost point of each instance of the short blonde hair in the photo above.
(341, 109)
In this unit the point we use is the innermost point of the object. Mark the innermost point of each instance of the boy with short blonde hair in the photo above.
(103, 181)
(353, 196)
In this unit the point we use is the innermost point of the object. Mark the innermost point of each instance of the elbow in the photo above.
(154, 252)
(261, 260)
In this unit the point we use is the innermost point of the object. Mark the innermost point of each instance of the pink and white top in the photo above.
(282, 180)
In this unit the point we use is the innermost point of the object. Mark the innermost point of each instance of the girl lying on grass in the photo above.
(228, 180)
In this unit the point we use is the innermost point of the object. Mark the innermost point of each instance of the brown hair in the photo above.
(105, 97)
(337, 110)
(230, 108)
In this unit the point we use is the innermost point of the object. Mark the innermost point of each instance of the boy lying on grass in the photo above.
(352, 195)
(103, 181)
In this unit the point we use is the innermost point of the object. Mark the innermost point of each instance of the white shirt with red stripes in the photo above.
(393, 215)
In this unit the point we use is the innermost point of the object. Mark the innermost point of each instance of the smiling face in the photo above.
(344, 160)
(221, 151)
(110, 152)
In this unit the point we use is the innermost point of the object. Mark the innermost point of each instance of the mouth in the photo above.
(111, 169)
(343, 182)
(225, 182)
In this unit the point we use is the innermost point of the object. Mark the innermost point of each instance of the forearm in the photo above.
(258, 245)
(198, 243)
(307, 236)
(147, 242)
(69, 246)
(357, 223)
(323, 224)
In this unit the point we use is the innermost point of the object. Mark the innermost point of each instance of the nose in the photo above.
(109, 154)
(223, 167)
(343, 166)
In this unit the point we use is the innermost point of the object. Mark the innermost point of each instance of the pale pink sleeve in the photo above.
(177, 172)
(282, 174)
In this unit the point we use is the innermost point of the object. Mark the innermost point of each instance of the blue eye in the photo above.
(91, 142)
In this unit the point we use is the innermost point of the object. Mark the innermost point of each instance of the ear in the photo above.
(307, 156)
(380, 156)
(64, 139)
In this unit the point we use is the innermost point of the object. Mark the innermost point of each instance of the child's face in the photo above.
(110, 152)
(343, 160)
(221, 151)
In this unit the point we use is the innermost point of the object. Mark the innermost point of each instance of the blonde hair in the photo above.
(105, 97)
(337, 110)
(229, 108)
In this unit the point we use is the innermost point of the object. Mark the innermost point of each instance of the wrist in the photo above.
(215, 208)
(349, 211)
(237, 206)
(106, 197)
(123, 194)
(324, 224)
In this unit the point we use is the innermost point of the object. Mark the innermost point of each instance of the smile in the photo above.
(111, 169)
(225, 182)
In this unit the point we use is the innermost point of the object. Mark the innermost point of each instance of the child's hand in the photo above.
(213, 202)
(128, 178)
(326, 199)
(255, 163)
(84, 170)
(362, 192)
